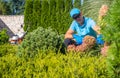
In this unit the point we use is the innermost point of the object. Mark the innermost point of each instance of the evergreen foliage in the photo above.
(66, 21)
(16, 6)
(59, 13)
(111, 32)
(55, 13)
(12, 7)
(7, 49)
(37, 13)
(52, 65)
(44, 13)
(40, 39)
(4, 8)
(3, 36)
(52, 13)
(28, 15)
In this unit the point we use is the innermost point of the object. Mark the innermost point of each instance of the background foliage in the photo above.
(3, 36)
(40, 39)
(4, 8)
(11, 7)
(56, 13)
(111, 31)
(90, 8)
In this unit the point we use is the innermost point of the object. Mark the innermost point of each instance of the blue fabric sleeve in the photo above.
(92, 23)
(78, 39)
(100, 39)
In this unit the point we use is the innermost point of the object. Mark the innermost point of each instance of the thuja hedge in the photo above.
(47, 13)
(111, 31)
(28, 13)
(55, 13)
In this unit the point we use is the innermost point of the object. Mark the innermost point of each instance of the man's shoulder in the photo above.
(88, 19)
(90, 22)
(73, 22)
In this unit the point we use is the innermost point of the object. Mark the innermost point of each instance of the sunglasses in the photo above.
(76, 16)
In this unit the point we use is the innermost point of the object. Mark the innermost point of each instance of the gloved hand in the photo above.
(100, 39)
(78, 39)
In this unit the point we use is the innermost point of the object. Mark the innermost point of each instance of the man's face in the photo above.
(78, 17)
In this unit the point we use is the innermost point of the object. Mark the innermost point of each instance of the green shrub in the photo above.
(7, 49)
(41, 39)
(111, 32)
(3, 36)
(53, 65)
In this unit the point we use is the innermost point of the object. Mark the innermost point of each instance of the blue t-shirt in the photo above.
(85, 29)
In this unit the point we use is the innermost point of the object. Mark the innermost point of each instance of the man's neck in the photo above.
(81, 22)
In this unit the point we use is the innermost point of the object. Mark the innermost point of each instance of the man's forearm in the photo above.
(69, 36)
(97, 29)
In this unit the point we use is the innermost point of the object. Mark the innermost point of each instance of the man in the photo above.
(83, 27)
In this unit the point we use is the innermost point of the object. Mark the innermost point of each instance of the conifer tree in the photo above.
(44, 13)
(59, 14)
(37, 13)
(28, 13)
(66, 16)
(48, 13)
(52, 12)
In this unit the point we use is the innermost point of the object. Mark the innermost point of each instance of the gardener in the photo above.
(81, 30)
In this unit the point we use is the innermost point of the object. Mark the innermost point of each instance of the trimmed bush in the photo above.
(6, 49)
(3, 36)
(53, 65)
(40, 39)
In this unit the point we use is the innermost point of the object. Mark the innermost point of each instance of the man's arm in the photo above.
(69, 34)
(97, 29)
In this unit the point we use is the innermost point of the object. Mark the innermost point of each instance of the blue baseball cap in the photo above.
(74, 11)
